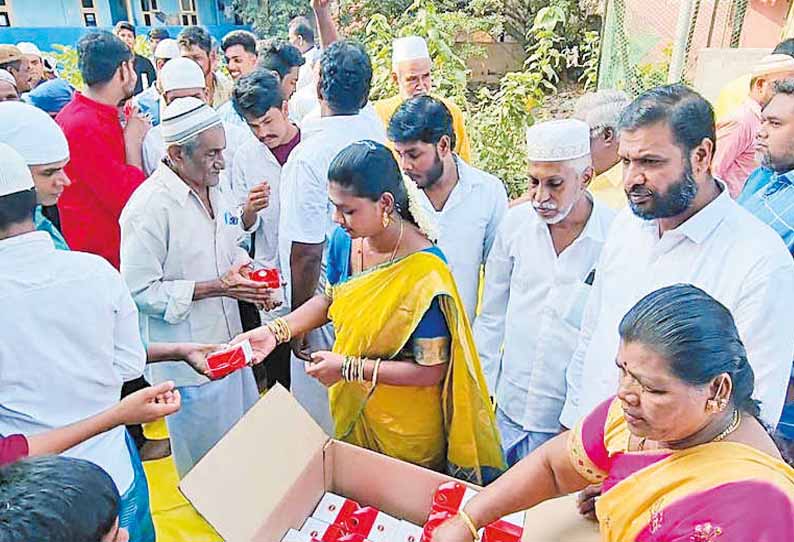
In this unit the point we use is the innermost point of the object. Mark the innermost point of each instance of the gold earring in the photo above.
(723, 404)
(712, 406)
(386, 220)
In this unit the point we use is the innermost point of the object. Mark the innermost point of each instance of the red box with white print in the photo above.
(320, 531)
(409, 532)
(297, 536)
(334, 509)
(228, 360)
(271, 278)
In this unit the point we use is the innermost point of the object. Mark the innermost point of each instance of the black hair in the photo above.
(256, 93)
(785, 47)
(195, 35)
(56, 499)
(124, 25)
(17, 207)
(159, 33)
(346, 77)
(698, 337)
(688, 114)
(280, 56)
(239, 37)
(302, 27)
(99, 55)
(422, 119)
(368, 170)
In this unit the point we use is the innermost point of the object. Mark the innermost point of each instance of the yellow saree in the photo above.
(449, 427)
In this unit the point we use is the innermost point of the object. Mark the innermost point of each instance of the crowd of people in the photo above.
(618, 330)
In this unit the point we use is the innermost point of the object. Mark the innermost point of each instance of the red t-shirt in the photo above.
(102, 182)
(13, 448)
(282, 152)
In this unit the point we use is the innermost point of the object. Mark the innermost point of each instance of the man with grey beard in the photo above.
(537, 278)
(682, 227)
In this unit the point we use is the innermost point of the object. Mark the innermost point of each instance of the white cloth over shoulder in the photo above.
(723, 250)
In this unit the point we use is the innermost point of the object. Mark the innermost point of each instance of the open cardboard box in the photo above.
(270, 471)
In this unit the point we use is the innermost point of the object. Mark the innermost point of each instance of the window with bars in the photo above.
(149, 9)
(5, 13)
(88, 9)
(188, 12)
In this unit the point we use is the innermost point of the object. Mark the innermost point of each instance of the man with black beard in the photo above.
(682, 227)
(466, 203)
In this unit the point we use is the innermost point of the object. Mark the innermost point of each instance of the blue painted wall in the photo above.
(45, 37)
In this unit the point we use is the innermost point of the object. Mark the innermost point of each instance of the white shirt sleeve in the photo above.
(489, 327)
(143, 254)
(500, 208)
(307, 209)
(129, 355)
(152, 151)
(765, 303)
(573, 375)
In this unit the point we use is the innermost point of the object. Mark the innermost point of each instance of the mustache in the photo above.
(545, 206)
(638, 190)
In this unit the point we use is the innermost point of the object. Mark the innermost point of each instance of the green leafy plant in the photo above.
(545, 54)
(271, 17)
(68, 64)
(589, 60)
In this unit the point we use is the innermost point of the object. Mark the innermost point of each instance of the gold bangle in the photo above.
(470, 524)
(375, 373)
(280, 329)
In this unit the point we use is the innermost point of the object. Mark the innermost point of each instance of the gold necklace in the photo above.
(736, 421)
(399, 240)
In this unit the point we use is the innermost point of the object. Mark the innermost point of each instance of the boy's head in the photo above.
(58, 499)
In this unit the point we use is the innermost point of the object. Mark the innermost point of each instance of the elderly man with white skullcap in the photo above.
(182, 78)
(40, 141)
(181, 258)
(537, 279)
(148, 101)
(412, 70)
(70, 339)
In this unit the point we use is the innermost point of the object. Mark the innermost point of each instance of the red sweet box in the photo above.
(228, 360)
(452, 496)
(334, 509)
(372, 524)
(271, 278)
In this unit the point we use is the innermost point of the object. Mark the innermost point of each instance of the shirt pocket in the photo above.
(573, 305)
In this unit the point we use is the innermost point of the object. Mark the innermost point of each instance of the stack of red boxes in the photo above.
(228, 360)
(451, 497)
(337, 519)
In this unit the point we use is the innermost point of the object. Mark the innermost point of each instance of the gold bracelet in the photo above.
(280, 330)
(375, 373)
(361, 362)
(470, 524)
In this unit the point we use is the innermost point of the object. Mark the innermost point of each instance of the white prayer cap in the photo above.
(33, 133)
(167, 48)
(181, 73)
(558, 140)
(771, 64)
(14, 173)
(6, 76)
(409, 48)
(28, 48)
(185, 118)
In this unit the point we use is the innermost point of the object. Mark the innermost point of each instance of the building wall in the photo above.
(208, 12)
(44, 13)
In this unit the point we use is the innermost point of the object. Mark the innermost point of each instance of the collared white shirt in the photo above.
(70, 340)
(723, 250)
(255, 163)
(154, 149)
(230, 116)
(532, 305)
(303, 102)
(306, 72)
(306, 211)
(169, 242)
(467, 226)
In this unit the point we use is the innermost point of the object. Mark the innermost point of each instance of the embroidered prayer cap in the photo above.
(772, 64)
(8, 78)
(10, 53)
(181, 73)
(14, 173)
(167, 48)
(28, 48)
(185, 118)
(558, 140)
(409, 48)
(32, 133)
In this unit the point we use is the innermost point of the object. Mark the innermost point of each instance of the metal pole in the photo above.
(129, 12)
(713, 20)
(679, 45)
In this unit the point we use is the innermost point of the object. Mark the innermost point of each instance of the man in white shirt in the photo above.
(181, 259)
(467, 204)
(301, 35)
(538, 276)
(148, 101)
(182, 78)
(683, 227)
(70, 340)
(306, 220)
(259, 99)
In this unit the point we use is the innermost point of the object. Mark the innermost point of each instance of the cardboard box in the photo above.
(268, 473)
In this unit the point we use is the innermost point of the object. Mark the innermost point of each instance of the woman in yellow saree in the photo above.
(680, 453)
(404, 376)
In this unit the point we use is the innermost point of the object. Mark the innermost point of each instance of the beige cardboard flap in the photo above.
(244, 477)
(558, 520)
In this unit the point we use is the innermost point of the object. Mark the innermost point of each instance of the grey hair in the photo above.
(602, 109)
(189, 147)
(580, 164)
(785, 86)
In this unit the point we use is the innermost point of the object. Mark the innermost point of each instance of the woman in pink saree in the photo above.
(680, 452)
